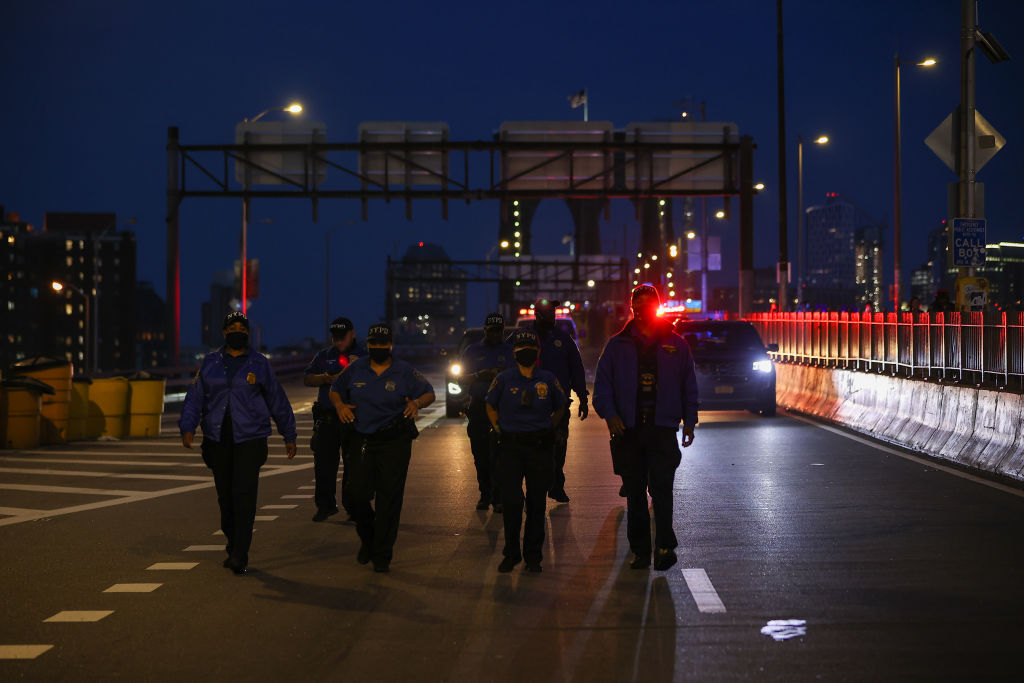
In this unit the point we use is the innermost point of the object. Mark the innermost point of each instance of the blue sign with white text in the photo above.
(967, 243)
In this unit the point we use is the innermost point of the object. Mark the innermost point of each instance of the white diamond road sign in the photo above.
(968, 246)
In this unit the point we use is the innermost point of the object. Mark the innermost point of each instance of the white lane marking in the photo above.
(22, 651)
(171, 566)
(68, 489)
(18, 511)
(277, 507)
(220, 532)
(126, 463)
(202, 548)
(102, 475)
(133, 588)
(703, 592)
(264, 518)
(913, 458)
(303, 488)
(126, 497)
(304, 496)
(79, 615)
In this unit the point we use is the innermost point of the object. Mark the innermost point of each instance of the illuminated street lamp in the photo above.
(759, 187)
(820, 140)
(897, 221)
(719, 214)
(59, 286)
(293, 108)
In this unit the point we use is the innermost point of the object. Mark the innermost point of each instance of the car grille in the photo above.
(724, 368)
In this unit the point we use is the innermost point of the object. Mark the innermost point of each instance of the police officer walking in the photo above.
(330, 437)
(481, 363)
(233, 397)
(381, 396)
(524, 404)
(560, 355)
(645, 386)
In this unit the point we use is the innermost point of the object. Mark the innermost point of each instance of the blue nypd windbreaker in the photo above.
(253, 397)
(616, 382)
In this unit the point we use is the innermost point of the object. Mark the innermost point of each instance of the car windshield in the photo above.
(718, 338)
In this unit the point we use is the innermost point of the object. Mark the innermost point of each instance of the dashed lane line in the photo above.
(171, 566)
(133, 588)
(264, 518)
(704, 594)
(303, 496)
(23, 651)
(79, 461)
(202, 548)
(69, 489)
(79, 615)
(278, 507)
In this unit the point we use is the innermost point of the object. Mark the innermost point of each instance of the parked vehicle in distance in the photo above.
(734, 371)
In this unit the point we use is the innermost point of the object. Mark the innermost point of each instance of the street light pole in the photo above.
(800, 243)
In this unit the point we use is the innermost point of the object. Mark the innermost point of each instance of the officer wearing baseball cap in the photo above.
(560, 355)
(524, 403)
(645, 386)
(381, 397)
(233, 397)
(481, 363)
(329, 441)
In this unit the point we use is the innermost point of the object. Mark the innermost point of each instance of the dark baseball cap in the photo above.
(640, 290)
(543, 305)
(494, 320)
(236, 317)
(525, 338)
(379, 333)
(340, 327)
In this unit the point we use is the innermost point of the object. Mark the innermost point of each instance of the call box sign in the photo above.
(967, 246)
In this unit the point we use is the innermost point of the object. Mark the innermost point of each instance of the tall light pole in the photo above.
(800, 246)
(897, 219)
(294, 108)
(59, 286)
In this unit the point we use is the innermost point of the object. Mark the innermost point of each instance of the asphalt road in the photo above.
(891, 567)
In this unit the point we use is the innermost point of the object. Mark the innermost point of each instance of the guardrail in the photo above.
(966, 347)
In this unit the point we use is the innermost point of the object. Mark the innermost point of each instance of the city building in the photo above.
(96, 264)
(151, 327)
(843, 258)
(1004, 270)
(426, 297)
(223, 300)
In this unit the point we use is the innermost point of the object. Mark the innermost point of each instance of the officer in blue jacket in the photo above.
(381, 396)
(560, 355)
(481, 363)
(645, 386)
(330, 437)
(524, 404)
(233, 397)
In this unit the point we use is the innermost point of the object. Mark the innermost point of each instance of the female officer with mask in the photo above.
(523, 404)
(381, 396)
(233, 397)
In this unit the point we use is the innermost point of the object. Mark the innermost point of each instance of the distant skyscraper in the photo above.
(426, 297)
(151, 328)
(843, 258)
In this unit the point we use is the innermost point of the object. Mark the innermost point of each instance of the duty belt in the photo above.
(323, 414)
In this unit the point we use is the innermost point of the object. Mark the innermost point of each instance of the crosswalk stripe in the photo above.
(133, 588)
(171, 566)
(22, 651)
(703, 592)
(79, 615)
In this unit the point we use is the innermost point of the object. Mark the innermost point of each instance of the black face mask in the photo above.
(544, 324)
(646, 312)
(237, 340)
(526, 357)
(379, 355)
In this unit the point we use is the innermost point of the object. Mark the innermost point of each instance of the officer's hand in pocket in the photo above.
(687, 436)
(186, 439)
(289, 449)
(615, 426)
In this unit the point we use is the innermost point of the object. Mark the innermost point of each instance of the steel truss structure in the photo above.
(628, 171)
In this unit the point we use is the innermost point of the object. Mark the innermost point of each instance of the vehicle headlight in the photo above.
(456, 369)
(454, 389)
(762, 366)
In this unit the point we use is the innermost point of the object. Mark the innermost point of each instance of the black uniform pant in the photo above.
(525, 456)
(236, 474)
(482, 441)
(646, 457)
(558, 453)
(379, 471)
(330, 444)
